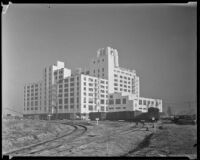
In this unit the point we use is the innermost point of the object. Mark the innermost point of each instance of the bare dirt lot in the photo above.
(105, 139)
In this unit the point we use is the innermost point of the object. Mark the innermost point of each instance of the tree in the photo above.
(169, 111)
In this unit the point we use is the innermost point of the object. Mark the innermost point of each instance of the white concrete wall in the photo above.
(128, 106)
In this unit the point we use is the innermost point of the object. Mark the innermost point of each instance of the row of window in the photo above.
(67, 107)
(66, 100)
(121, 81)
(32, 86)
(147, 102)
(98, 61)
(112, 108)
(91, 80)
(32, 103)
(36, 108)
(125, 90)
(121, 85)
(125, 77)
(130, 74)
(117, 101)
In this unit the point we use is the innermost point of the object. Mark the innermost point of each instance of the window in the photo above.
(115, 84)
(66, 107)
(90, 84)
(71, 100)
(60, 107)
(93, 62)
(71, 79)
(66, 100)
(118, 101)
(71, 84)
(60, 101)
(72, 106)
(90, 94)
(140, 102)
(66, 80)
(144, 102)
(102, 69)
(66, 85)
(90, 89)
(102, 60)
(90, 100)
(102, 108)
(115, 75)
(85, 88)
(156, 103)
(102, 101)
(111, 101)
(66, 90)
(84, 100)
(66, 94)
(124, 100)
(90, 108)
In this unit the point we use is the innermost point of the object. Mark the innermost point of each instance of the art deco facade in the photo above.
(102, 87)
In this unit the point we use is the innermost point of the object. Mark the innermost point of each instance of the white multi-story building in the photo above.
(51, 76)
(81, 94)
(33, 98)
(83, 91)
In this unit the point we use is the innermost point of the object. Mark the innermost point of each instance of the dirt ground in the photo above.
(106, 139)
(20, 133)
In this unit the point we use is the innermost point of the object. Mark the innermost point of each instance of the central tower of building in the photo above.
(106, 65)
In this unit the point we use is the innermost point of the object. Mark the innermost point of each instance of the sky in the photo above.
(157, 40)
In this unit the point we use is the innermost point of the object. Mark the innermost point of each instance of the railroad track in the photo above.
(51, 144)
(75, 144)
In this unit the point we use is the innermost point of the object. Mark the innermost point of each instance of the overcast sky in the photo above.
(158, 41)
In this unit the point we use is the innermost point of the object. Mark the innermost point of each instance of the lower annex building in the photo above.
(102, 87)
